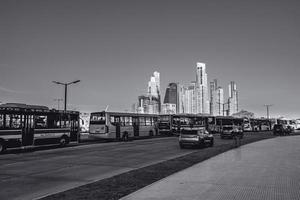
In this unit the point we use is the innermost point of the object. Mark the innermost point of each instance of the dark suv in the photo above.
(281, 129)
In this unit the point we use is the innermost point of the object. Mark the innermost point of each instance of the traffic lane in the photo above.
(51, 171)
(32, 175)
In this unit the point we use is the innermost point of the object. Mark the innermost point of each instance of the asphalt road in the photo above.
(36, 174)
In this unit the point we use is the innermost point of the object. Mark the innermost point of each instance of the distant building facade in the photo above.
(171, 95)
(168, 108)
(216, 99)
(233, 98)
(154, 85)
(151, 102)
(212, 87)
(218, 102)
(201, 90)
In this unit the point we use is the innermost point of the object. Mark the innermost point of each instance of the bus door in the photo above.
(136, 127)
(74, 136)
(118, 127)
(118, 130)
(28, 131)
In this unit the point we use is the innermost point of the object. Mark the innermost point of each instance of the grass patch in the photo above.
(123, 184)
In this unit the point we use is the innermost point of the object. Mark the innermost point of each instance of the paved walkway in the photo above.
(269, 169)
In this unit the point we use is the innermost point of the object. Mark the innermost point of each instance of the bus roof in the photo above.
(31, 108)
(187, 115)
(125, 113)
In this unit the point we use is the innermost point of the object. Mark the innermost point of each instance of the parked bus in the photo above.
(290, 124)
(247, 124)
(27, 125)
(122, 126)
(297, 124)
(256, 124)
(171, 124)
(227, 126)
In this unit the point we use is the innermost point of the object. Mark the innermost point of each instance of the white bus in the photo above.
(122, 126)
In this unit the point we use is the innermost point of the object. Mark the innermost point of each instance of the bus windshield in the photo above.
(164, 118)
(98, 118)
(227, 122)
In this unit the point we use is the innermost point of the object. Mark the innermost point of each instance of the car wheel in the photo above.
(63, 141)
(2, 146)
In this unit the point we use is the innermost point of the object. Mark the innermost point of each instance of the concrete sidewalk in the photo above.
(269, 169)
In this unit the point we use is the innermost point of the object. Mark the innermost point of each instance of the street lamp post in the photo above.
(268, 106)
(66, 89)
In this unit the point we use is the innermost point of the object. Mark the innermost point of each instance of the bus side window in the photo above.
(65, 121)
(135, 120)
(41, 121)
(15, 121)
(7, 121)
(122, 121)
(57, 122)
(142, 121)
(53, 121)
(148, 121)
(1, 121)
(128, 121)
(112, 120)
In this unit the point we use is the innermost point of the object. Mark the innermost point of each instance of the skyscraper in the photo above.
(181, 92)
(154, 85)
(150, 103)
(171, 95)
(202, 100)
(233, 98)
(212, 87)
(218, 102)
(188, 99)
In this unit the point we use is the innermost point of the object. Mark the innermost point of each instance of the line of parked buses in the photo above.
(24, 125)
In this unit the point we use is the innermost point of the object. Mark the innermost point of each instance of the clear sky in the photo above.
(113, 47)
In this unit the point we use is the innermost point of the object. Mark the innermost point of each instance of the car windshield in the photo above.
(278, 126)
(193, 132)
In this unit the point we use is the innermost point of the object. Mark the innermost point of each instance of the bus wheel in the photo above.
(2, 146)
(63, 141)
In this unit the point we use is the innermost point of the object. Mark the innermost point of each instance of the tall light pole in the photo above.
(58, 102)
(66, 89)
(267, 106)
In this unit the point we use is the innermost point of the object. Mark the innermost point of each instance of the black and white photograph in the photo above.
(149, 99)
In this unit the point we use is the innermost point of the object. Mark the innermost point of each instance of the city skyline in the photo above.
(113, 47)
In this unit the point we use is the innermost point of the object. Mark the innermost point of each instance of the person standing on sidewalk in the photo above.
(237, 136)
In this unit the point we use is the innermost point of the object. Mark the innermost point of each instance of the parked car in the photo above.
(199, 137)
(281, 129)
(228, 131)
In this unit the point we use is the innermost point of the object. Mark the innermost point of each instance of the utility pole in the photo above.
(58, 102)
(66, 90)
(268, 106)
